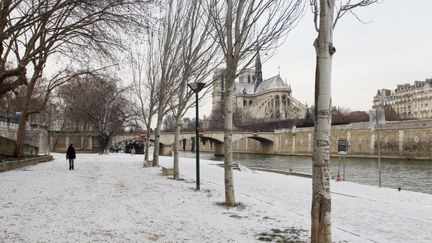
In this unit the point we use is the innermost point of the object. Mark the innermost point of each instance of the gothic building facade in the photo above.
(258, 99)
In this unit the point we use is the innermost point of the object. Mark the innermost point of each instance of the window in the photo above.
(244, 103)
(284, 100)
(277, 100)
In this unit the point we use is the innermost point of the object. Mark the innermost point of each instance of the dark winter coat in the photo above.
(70, 154)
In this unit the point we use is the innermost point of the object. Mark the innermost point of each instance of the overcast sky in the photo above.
(394, 47)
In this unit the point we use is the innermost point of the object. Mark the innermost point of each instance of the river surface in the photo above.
(412, 175)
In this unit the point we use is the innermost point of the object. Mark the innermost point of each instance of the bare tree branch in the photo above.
(243, 28)
(66, 27)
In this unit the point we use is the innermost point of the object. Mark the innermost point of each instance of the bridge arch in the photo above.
(164, 148)
(213, 141)
(252, 143)
(215, 144)
(207, 143)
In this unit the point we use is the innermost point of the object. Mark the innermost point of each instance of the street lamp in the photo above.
(378, 143)
(196, 87)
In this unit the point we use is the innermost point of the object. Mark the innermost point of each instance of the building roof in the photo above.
(273, 83)
(248, 88)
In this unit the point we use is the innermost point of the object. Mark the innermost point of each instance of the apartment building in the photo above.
(409, 101)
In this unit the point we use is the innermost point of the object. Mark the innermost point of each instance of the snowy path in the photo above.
(111, 198)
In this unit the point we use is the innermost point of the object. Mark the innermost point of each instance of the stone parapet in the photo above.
(36, 137)
(7, 147)
(14, 164)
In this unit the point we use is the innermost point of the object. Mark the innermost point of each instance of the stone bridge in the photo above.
(404, 139)
(209, 141)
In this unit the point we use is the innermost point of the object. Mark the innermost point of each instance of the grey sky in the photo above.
(395, 47)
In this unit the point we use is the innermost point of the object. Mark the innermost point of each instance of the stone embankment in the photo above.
(18, 163)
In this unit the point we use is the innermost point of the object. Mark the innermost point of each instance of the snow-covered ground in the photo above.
(111, 198)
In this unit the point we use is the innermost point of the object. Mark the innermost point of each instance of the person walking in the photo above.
(70, 155)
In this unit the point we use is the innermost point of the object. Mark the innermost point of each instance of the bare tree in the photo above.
(100, 100)
(167, 52)
(244, 28)
(391, 114)
(169, 123)
(325, 21)
(144, 70)
(341, 115)
(217, 118)
(198, 57)
(33, 31)
(10, 102)
(30, 107)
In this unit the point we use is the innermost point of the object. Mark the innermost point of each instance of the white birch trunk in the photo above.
(176, 148)
(231, 69)
(147, 143)
(228, 126)
(321, 200)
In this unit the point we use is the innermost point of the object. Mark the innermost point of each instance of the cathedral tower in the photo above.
(258, 71)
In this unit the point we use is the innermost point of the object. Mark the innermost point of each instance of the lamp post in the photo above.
(196, 87)
(379, 146)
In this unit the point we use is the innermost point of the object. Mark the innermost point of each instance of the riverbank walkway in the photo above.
(111, 198)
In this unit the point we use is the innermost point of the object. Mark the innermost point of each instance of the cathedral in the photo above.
(258, 99)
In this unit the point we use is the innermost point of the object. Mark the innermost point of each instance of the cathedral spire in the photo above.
(258, 71)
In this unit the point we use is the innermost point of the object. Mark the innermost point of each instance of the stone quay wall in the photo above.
(83, 142)
(35, 140)
(15, 164)
(403, 139)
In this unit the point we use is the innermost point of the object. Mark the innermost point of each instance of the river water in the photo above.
(412, 175)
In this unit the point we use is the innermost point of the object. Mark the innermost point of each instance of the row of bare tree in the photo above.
(176, 43)
(46, 44)
(240, 29)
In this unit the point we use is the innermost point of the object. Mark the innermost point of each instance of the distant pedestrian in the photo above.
(70, 155)
(133, 150)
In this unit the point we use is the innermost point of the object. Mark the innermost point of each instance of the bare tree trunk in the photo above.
(176, 148)
(157, 139)
(243, 29)
(147, 143)
(19, 153)
(321, 200)
(228, 161)
(103, 143)
(84, 144)
(178, 116)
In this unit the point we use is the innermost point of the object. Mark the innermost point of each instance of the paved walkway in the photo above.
(111, 198)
